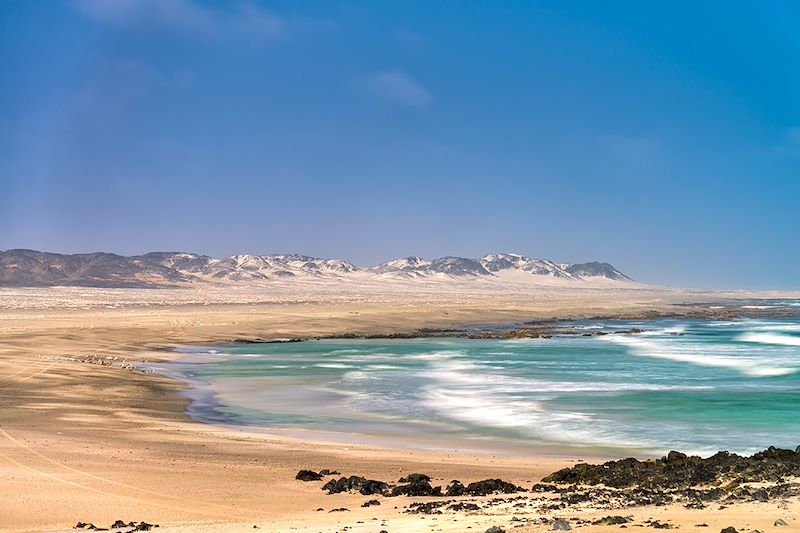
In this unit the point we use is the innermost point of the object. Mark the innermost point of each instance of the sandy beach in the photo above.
(408, 266)
(87, 436)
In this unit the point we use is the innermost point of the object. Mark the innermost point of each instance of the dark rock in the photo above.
(678, 470)
(455, 488)
(365, 486)
(464, 506)
(370, 503)
(780, 522)
(574, 499)
(612, 520)
(426, 507)
(118, 524)
(339, 510)
(761, 495)
(495, 529)
(491, 486)
(419, 488)
(373, 487)
(308, 475)
(414, 478)
(660, 525)
(144, 526)
(326, 472)
(729, 530)
(561, 525)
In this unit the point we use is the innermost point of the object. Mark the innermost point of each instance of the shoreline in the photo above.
(85, 438)
(206, 407)
(208, 415)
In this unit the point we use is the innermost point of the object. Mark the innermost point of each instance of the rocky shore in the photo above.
(715, 483)
(554, 327)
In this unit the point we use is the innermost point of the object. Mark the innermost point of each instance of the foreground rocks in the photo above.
(678, 470)
(308, 475)
(118, 524)
(412, 485)
(713, 483)
(356, 484)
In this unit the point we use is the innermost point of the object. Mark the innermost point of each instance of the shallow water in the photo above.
(691, 385)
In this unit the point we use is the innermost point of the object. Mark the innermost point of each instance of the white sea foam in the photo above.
(332, 365)
(672, 330)
(384, 367)
(435, 356)
(466, 374)
(771, 338)
(702, 355)
(525, 417)
(778, 327)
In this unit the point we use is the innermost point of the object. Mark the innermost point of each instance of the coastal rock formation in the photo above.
(678, 470)
(416, 485)
(419, 487)
(365, 486)
(308, 475)
(118, 524)
(491, 486)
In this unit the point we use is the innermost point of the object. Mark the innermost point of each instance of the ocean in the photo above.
(697, 386)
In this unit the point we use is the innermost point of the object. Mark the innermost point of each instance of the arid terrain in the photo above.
(88, 435)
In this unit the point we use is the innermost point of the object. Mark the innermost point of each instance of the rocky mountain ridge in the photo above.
(162, 269)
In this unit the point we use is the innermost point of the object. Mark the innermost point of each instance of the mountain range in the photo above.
(21, 268)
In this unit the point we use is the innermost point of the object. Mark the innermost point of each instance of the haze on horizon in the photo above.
(661, 138)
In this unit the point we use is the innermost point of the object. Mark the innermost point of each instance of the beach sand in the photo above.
(86, 436)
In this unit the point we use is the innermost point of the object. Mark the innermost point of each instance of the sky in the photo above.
(662, 137)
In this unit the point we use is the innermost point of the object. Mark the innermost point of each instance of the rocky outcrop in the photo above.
(678, 470)
(416, 485)
(362, 485)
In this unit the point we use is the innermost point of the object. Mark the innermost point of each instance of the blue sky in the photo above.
(663, 137)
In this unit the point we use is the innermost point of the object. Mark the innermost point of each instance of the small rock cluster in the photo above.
(411, 485)
(118, 524)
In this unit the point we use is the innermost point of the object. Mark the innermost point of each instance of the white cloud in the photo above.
(177, 14)
(398, 87)
(245, 18)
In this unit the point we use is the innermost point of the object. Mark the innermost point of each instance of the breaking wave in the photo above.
(699, 354)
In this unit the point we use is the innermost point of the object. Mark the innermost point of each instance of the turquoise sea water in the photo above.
(691, 385)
